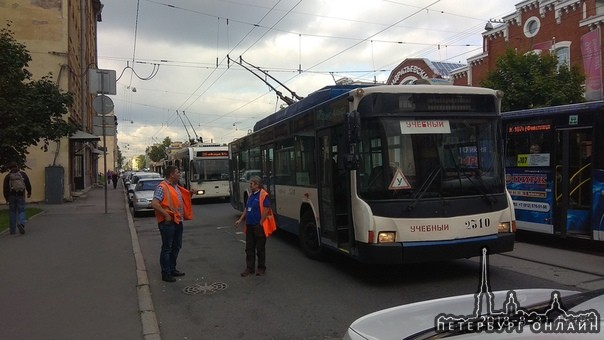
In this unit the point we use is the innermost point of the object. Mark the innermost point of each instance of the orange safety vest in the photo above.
(171, 196)
(269, 225)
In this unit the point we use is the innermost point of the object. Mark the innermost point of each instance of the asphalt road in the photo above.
(304, 299)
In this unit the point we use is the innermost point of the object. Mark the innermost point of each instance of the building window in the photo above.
(562, 50)
(599, 7)
(531, 27)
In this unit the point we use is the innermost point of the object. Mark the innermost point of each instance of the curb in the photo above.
(145, 302)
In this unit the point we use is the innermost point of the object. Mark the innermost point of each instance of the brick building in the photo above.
(568, 28)
(61, 38)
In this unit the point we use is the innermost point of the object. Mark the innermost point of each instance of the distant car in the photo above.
(134, 178)
(536, 309)
(143, 195)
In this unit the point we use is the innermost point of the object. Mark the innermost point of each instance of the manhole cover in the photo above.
(204, 288)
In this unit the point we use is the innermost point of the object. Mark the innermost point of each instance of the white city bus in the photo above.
(204, 169)
(384, 174)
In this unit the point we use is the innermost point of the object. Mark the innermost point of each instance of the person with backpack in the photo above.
(16, 183)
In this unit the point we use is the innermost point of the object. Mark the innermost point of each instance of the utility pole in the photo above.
(103, 105)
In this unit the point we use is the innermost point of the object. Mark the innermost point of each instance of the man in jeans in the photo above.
(172, 204)
(16, 183)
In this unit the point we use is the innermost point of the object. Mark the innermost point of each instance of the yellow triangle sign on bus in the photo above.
(399, 181)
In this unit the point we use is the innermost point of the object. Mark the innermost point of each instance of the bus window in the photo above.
(527, 146)
(285, 163)
(305, 164)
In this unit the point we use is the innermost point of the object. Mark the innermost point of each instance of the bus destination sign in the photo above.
(212, 153)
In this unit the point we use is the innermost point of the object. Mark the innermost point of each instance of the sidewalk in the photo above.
(77, 273)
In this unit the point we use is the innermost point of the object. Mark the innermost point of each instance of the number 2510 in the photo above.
(478, 223)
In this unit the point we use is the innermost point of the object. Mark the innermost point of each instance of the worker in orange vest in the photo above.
(172, 204)
(259, 224)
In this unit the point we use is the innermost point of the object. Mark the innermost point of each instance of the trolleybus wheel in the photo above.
(309, 240)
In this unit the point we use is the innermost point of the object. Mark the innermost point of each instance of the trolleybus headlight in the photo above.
(386, 236)
(201, 192)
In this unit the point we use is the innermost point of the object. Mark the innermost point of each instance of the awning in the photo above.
(83, 136)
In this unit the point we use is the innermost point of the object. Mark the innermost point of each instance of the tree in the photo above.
(141, 161)
(31, 110)
(531, 80)
(157, 152)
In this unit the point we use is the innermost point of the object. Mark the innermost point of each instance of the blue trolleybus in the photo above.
(555, 169)
(384, 174)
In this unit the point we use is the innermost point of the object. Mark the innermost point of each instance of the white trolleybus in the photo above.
(204, 169)
(384, 174)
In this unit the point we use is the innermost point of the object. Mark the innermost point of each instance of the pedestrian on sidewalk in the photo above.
(16, 183)
(259, 224)
(114, 179)
(108, 177)
(172, 204)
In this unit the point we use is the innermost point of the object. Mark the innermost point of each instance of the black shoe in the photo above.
(247, 273)
(13, 232)
(177, 273)
(261, 271)
(21, 228)
(168, 278)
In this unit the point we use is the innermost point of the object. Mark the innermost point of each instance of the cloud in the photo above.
(325, 39)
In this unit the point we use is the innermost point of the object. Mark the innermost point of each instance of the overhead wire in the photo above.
(309, 70)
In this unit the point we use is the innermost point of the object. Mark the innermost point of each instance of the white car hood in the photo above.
(402, 321)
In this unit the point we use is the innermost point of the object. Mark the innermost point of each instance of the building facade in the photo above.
(60, 36)
(571, 29)
(413, 69)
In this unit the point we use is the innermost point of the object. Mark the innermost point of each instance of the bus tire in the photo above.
(309, 241)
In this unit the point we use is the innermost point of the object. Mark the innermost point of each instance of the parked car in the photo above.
(538, 310)
(143, 195)
(134, 178)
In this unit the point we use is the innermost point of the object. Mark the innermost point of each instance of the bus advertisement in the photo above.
(384, 174)
(555, 171)
(204, 169)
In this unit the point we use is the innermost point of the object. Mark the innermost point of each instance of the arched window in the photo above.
(562, 50)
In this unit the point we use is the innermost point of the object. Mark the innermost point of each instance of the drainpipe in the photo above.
(84, 80)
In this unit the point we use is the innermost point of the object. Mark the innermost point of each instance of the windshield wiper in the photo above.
(424, 187)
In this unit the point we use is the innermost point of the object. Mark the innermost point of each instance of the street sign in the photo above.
(98, 121)
(109, 130)
(102, 105)
(101, 81)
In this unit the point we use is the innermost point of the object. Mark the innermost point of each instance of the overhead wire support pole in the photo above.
(185, 125)
(286, 99)
(192, 128)
(273, 78)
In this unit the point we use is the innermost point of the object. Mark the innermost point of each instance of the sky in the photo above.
(177, 61)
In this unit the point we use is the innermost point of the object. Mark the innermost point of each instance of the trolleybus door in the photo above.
(267, 174)
(333, 190)
(235, 185)
(327, 171)
(573, 183)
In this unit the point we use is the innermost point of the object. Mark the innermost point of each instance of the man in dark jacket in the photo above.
(16, 183)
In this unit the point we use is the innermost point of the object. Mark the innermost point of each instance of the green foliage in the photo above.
(31, 110)
(29, 212)
(158, 152)
(531, 80)
(141, 161)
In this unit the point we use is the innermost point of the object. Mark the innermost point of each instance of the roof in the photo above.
(83, 136)
(441, 68)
